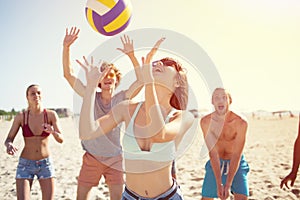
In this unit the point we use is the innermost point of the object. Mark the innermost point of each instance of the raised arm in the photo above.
(296, 161)
(156, 128)
(69, 75)
(128, 49)
(178, 125)
(90, 128)
(10, 148)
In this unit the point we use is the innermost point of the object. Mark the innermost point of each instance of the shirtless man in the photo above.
(225, 134)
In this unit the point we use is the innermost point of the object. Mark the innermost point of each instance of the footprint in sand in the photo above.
(197, 179)
(269, 198)
(285, 166)
(296, 192)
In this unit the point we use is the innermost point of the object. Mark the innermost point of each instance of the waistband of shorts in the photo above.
(28, 162)
(242, 159)
(169, 193)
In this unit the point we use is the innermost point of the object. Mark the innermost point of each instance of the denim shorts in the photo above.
(27, 169)
(173, 193)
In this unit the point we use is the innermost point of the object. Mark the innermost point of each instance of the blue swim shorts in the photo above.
(27, 169)
(239, 183)
(174, 193)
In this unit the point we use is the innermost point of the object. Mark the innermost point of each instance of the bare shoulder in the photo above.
(51, 112)
(239, 120)
(205, 120)
(19, 117)
(52, 115)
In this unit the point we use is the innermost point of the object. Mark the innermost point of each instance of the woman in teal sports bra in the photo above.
(153, 127)
(37, 125)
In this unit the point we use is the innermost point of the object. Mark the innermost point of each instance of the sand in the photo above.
(268, 150)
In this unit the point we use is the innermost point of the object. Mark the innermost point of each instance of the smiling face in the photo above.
(112, 79)
(34, 95)
(163, 74)
(221, 100)
(170, 73)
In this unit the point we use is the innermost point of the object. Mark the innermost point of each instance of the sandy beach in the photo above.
(268, 150)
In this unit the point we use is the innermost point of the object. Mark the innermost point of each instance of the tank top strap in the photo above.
(45, 116)
(136, 111)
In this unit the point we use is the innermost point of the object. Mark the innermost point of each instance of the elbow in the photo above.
(139, 84)
(83, 136)
(84, 132)
(67, 75)
(213, 154)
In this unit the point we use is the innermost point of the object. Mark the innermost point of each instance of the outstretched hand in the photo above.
(71, 36)
(127, 45)
(92, 72)
(291, 177)
(147, 67)
(153, 51)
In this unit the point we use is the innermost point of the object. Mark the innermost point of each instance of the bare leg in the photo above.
(23, 188)
(47, 187)
(240, 197)
(83, 192)
(115, 191)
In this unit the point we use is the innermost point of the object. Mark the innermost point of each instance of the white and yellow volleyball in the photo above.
(108, 17)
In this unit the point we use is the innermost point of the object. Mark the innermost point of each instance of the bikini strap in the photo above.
(24, 118)
(45, 116)
(27, 116)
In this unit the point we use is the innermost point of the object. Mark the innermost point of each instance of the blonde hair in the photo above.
(113, 67)
(226, 92)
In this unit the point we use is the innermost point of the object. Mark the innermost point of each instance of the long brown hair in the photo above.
(179, 98)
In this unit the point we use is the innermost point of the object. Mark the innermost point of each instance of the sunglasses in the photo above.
(111, 75)
(167, 63)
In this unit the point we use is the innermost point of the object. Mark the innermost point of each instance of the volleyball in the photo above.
(108, 17)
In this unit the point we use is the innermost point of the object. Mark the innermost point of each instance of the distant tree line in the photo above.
(8, 115)
(12, 112)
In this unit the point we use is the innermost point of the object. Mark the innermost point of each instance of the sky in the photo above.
(254, 45)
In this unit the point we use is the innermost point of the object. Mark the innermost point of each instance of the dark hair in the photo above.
(113, 67)
(179, 99)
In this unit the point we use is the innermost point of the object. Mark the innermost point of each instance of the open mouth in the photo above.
(221, 107)
(109, 82)
(157, 69)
